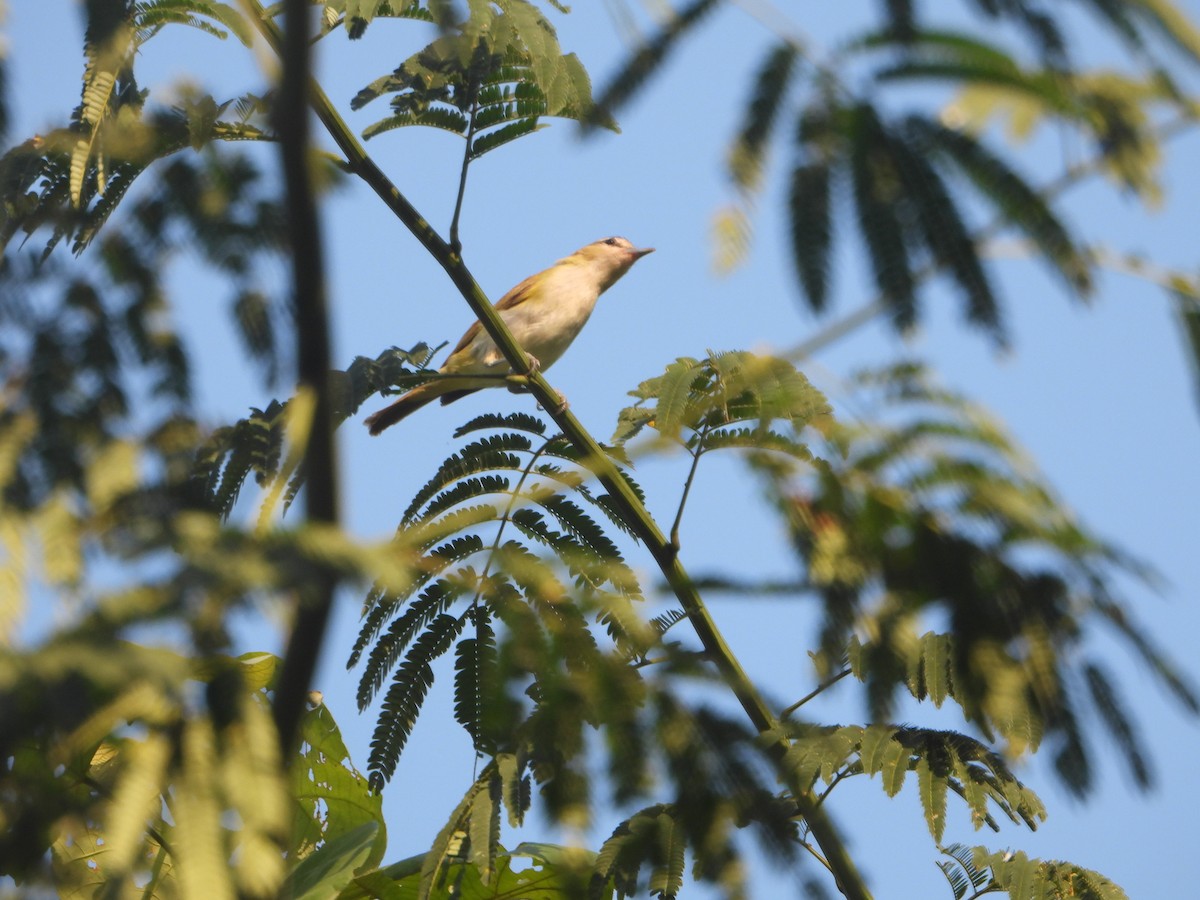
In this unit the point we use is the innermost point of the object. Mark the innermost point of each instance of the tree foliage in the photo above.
(897, 172)
(140, 754)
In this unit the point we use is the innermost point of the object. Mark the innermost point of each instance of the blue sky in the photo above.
(1100, 396)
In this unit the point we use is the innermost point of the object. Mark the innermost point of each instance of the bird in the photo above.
(545, 313)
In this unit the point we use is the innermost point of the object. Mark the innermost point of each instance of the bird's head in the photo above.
(610, 258)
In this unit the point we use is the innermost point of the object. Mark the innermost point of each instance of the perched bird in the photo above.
(544, 313)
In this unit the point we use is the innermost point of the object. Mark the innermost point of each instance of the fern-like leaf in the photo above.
(705, 396)
(961, 872)
(419, 616)
(810, 221)
(767, 96)
(1108, 704)
(474, 671)
(380, 604)
(1026, 878)
(878, 190)
(403, 701)
(497, 138)
(1022, 206)
(946, 235)
(666, 878)
(647, 60)
(517, 421)
(442, 119)
(487, 454)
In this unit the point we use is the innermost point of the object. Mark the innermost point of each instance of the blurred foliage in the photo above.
(975, 871)
(861, 149)
(138, 756)
(124, 779)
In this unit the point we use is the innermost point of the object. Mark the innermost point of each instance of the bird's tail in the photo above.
(406, 404)
(449, 389)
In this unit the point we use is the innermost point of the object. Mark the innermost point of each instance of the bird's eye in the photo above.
(612, 242)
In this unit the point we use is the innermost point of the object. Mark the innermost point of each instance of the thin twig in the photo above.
(833, 782)
(817, 856)
(455, 243)
(824, 685)
(687, 489)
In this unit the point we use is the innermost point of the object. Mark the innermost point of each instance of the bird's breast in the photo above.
(546, 324)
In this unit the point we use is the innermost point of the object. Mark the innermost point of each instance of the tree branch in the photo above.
(315, 598)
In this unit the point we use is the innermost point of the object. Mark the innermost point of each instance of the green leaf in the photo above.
(438, 117)
(767, 95)
(136, 800)
(672, 390)
(1025, 878)
(878, 192)
(810, 222)
(359, 14)
(548, 872)
(932, 786)
(512, 785)
(484, 834)
(973, 788)
(474, 674)
(875, 748)
(493, 452)
(517, 421)
(894, 766)
(1020, 204)
(333, 799)
(1112, 713)
(331, 867)
(666, 879)
(962, 873)
(936, 650)
(403, 701)
(726, 388)
(1171, 22)
(493, 139)
(632, 419)
(946, 235)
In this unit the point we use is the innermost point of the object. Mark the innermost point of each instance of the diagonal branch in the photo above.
(765, 721)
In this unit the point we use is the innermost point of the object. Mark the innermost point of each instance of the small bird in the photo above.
(544, 312)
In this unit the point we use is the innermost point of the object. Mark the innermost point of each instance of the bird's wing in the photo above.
(515, 297)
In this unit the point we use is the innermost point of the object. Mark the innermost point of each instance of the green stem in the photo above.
(687, 489)
(455, 243)
(594, 458)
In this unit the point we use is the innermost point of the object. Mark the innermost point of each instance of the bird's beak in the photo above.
(638, 254)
